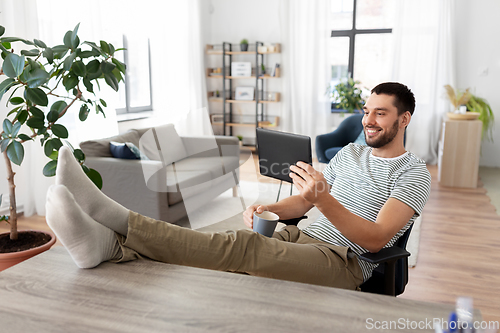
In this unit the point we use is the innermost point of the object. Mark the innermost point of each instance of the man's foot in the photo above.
(88, 242)
(93, 202)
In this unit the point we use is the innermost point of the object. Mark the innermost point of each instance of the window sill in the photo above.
(133, 116)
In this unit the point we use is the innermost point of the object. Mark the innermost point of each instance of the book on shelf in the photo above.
(276, 67)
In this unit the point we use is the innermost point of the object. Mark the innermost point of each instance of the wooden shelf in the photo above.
(261, 124)
(210, 50)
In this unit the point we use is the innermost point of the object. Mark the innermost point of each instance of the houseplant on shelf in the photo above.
(348, 96)
(244, 45)
(475, 108)
(70, 74)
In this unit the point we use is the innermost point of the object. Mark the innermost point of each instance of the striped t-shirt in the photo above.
(363, 183)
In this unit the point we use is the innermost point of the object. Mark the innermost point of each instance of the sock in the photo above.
(88, 196)
(88, 242)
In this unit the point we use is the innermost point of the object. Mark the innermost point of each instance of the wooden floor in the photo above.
(459, 248)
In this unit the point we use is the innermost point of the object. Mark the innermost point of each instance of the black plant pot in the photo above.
(244, 47)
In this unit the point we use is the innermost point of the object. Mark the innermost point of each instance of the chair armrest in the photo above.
(294, 221)
(329, 140)
(387, 254)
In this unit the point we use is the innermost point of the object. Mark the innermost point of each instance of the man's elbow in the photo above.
(376, 246)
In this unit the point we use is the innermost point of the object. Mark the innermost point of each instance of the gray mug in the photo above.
(265, 223)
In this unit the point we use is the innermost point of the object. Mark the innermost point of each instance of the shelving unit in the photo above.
(261, 97)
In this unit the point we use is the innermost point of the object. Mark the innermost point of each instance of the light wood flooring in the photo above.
(459, 247)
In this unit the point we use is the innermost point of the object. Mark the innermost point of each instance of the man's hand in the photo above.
(248, 214)
(311, 184)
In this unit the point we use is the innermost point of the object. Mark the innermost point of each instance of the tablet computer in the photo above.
(280, 150)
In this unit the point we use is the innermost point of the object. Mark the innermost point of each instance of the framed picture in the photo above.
(241, 69)
(244, 93)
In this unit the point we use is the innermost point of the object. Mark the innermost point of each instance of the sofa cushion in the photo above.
(217, 166)
(179, 183)
(100, 147)
(121, 150)
(360, 140)
(171, 147)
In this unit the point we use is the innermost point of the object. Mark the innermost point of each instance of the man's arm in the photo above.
(288, 208)
(373, 236)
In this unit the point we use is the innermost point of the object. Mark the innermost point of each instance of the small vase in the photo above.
(244, 47)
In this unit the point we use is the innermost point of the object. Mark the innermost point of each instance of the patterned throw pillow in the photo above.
(126, 150)
(360, 140)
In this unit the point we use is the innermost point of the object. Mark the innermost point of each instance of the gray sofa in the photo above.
(181, 174)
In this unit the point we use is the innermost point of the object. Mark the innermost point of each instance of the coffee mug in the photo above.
(265, 223)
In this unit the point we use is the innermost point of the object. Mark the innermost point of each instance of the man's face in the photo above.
(381, 121)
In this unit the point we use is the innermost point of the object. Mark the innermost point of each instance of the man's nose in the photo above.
(369, 119)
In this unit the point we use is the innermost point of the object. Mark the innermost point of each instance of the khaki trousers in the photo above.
(289, 255)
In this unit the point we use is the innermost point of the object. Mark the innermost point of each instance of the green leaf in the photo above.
(74, 37)
(5, 47)
(67, 39)
(49, 55)
(117, 74)
(88, 85)
(84, 112)
(79, 68)
(59, 131)
(5, 85)
(48, 149)
(22, 115)
(95, 47)
(52, 116)
(93, 66)
(88, 54)
(15, 152)
(103, 102)
(2, 30)
(49, 170)
(37, 113)
(111, 81)
(36, 123)
(79, 155)
(85, 168)
(24, 137)
(39, 43)
(98, 109)
(95, 177)
(16, 128)
(58, 106)
(30, 53)
(37, 96)
(36, 78)
(59, 51)
(4, 144)
(16, 100)
(7, 126)
(105, 47)
(70, 81)
(121, 66)
(56, 143)
(13, 65)
(107, 67)
(68, 62)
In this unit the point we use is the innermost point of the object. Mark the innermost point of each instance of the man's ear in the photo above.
(406, 117)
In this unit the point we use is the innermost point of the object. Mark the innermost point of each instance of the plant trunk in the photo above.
(12, 197)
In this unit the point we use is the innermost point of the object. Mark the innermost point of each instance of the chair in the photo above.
(391, 276)
(327, 145)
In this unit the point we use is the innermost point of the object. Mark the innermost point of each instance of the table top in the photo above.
(48, 293)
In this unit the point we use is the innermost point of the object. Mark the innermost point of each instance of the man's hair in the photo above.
(404, 100)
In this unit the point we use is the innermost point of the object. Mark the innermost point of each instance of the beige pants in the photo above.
(289, 255)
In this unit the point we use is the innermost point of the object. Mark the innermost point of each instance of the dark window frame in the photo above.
(352, 33)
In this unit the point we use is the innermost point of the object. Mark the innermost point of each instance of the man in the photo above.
(368, 197)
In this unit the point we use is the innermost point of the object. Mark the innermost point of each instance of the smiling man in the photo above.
(368, 196)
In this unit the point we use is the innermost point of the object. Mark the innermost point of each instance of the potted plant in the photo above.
(68, 73)
(348, 96)
(244, 45)
(262, 69)
(474, 106)
(240, 138)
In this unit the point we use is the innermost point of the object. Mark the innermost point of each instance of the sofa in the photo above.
(174, 176)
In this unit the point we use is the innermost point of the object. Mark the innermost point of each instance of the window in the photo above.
(362, 41)
(135, 92)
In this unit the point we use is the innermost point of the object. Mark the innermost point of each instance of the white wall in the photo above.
(478, 61)
(231, 21)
